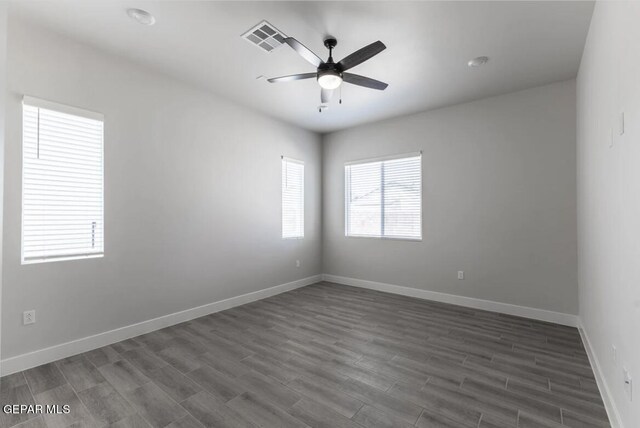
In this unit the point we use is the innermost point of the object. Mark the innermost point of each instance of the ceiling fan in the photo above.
(330, 74)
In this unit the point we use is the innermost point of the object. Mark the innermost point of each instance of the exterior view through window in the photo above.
(383, 198)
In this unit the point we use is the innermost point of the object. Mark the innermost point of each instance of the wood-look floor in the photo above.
(329, 356)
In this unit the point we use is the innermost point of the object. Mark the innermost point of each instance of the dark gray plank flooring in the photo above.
(330, 356)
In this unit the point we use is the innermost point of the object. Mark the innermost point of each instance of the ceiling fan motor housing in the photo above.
(329, 73)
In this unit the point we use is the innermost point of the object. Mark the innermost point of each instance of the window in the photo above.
(292, 198)
(62, 182)
(383, 198)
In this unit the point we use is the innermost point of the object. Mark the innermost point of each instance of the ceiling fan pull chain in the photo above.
(340, 101)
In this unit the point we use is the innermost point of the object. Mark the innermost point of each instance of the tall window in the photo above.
(383, 198)
(62, 182)
(292, 198)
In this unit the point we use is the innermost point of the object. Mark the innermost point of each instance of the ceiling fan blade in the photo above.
(303, 51)
(325, 95)
(292, 77)
(361, 55)
(356, 79)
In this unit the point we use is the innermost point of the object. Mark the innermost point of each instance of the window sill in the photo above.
(61, 259)
(384, 238)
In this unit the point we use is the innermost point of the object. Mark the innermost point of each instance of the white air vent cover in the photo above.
(265, 36)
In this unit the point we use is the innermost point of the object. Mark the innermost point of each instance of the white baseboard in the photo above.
(53, 353)
(487, 305)
(605, 392)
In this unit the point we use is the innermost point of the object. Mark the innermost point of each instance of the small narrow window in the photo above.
(383, 198)
(62, 182)
(292, 198)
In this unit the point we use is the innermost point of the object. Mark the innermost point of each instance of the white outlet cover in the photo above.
(29, 317)
(460, 274)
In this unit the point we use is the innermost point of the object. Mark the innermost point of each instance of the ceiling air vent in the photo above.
(265, 36)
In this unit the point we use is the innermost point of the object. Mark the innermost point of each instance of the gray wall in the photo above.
(192, 198)
(498, 200)
(3, 90)
(609, 197)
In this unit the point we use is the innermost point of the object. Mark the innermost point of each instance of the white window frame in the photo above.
(65, 109)
(347, 234)
(284, 161)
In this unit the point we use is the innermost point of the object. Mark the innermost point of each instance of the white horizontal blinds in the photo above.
(402, 198)
(384, 198)
(364, 199)
(292, 198)
(62, 182)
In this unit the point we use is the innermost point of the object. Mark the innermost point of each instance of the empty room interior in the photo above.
(335, 214)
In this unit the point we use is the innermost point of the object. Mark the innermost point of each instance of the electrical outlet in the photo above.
(297, 263)
(628, 384)
(460, 274)
(29, 317)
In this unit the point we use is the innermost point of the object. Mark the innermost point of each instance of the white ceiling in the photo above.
(428, 46)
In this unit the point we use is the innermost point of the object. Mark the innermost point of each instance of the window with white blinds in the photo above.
(383, 198)
(292, 198)
(62, 182)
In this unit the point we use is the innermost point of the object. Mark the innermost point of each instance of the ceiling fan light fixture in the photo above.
(329, 80)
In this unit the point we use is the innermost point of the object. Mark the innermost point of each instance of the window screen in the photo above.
(383, 198)
(292, 198)
(62, 182)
